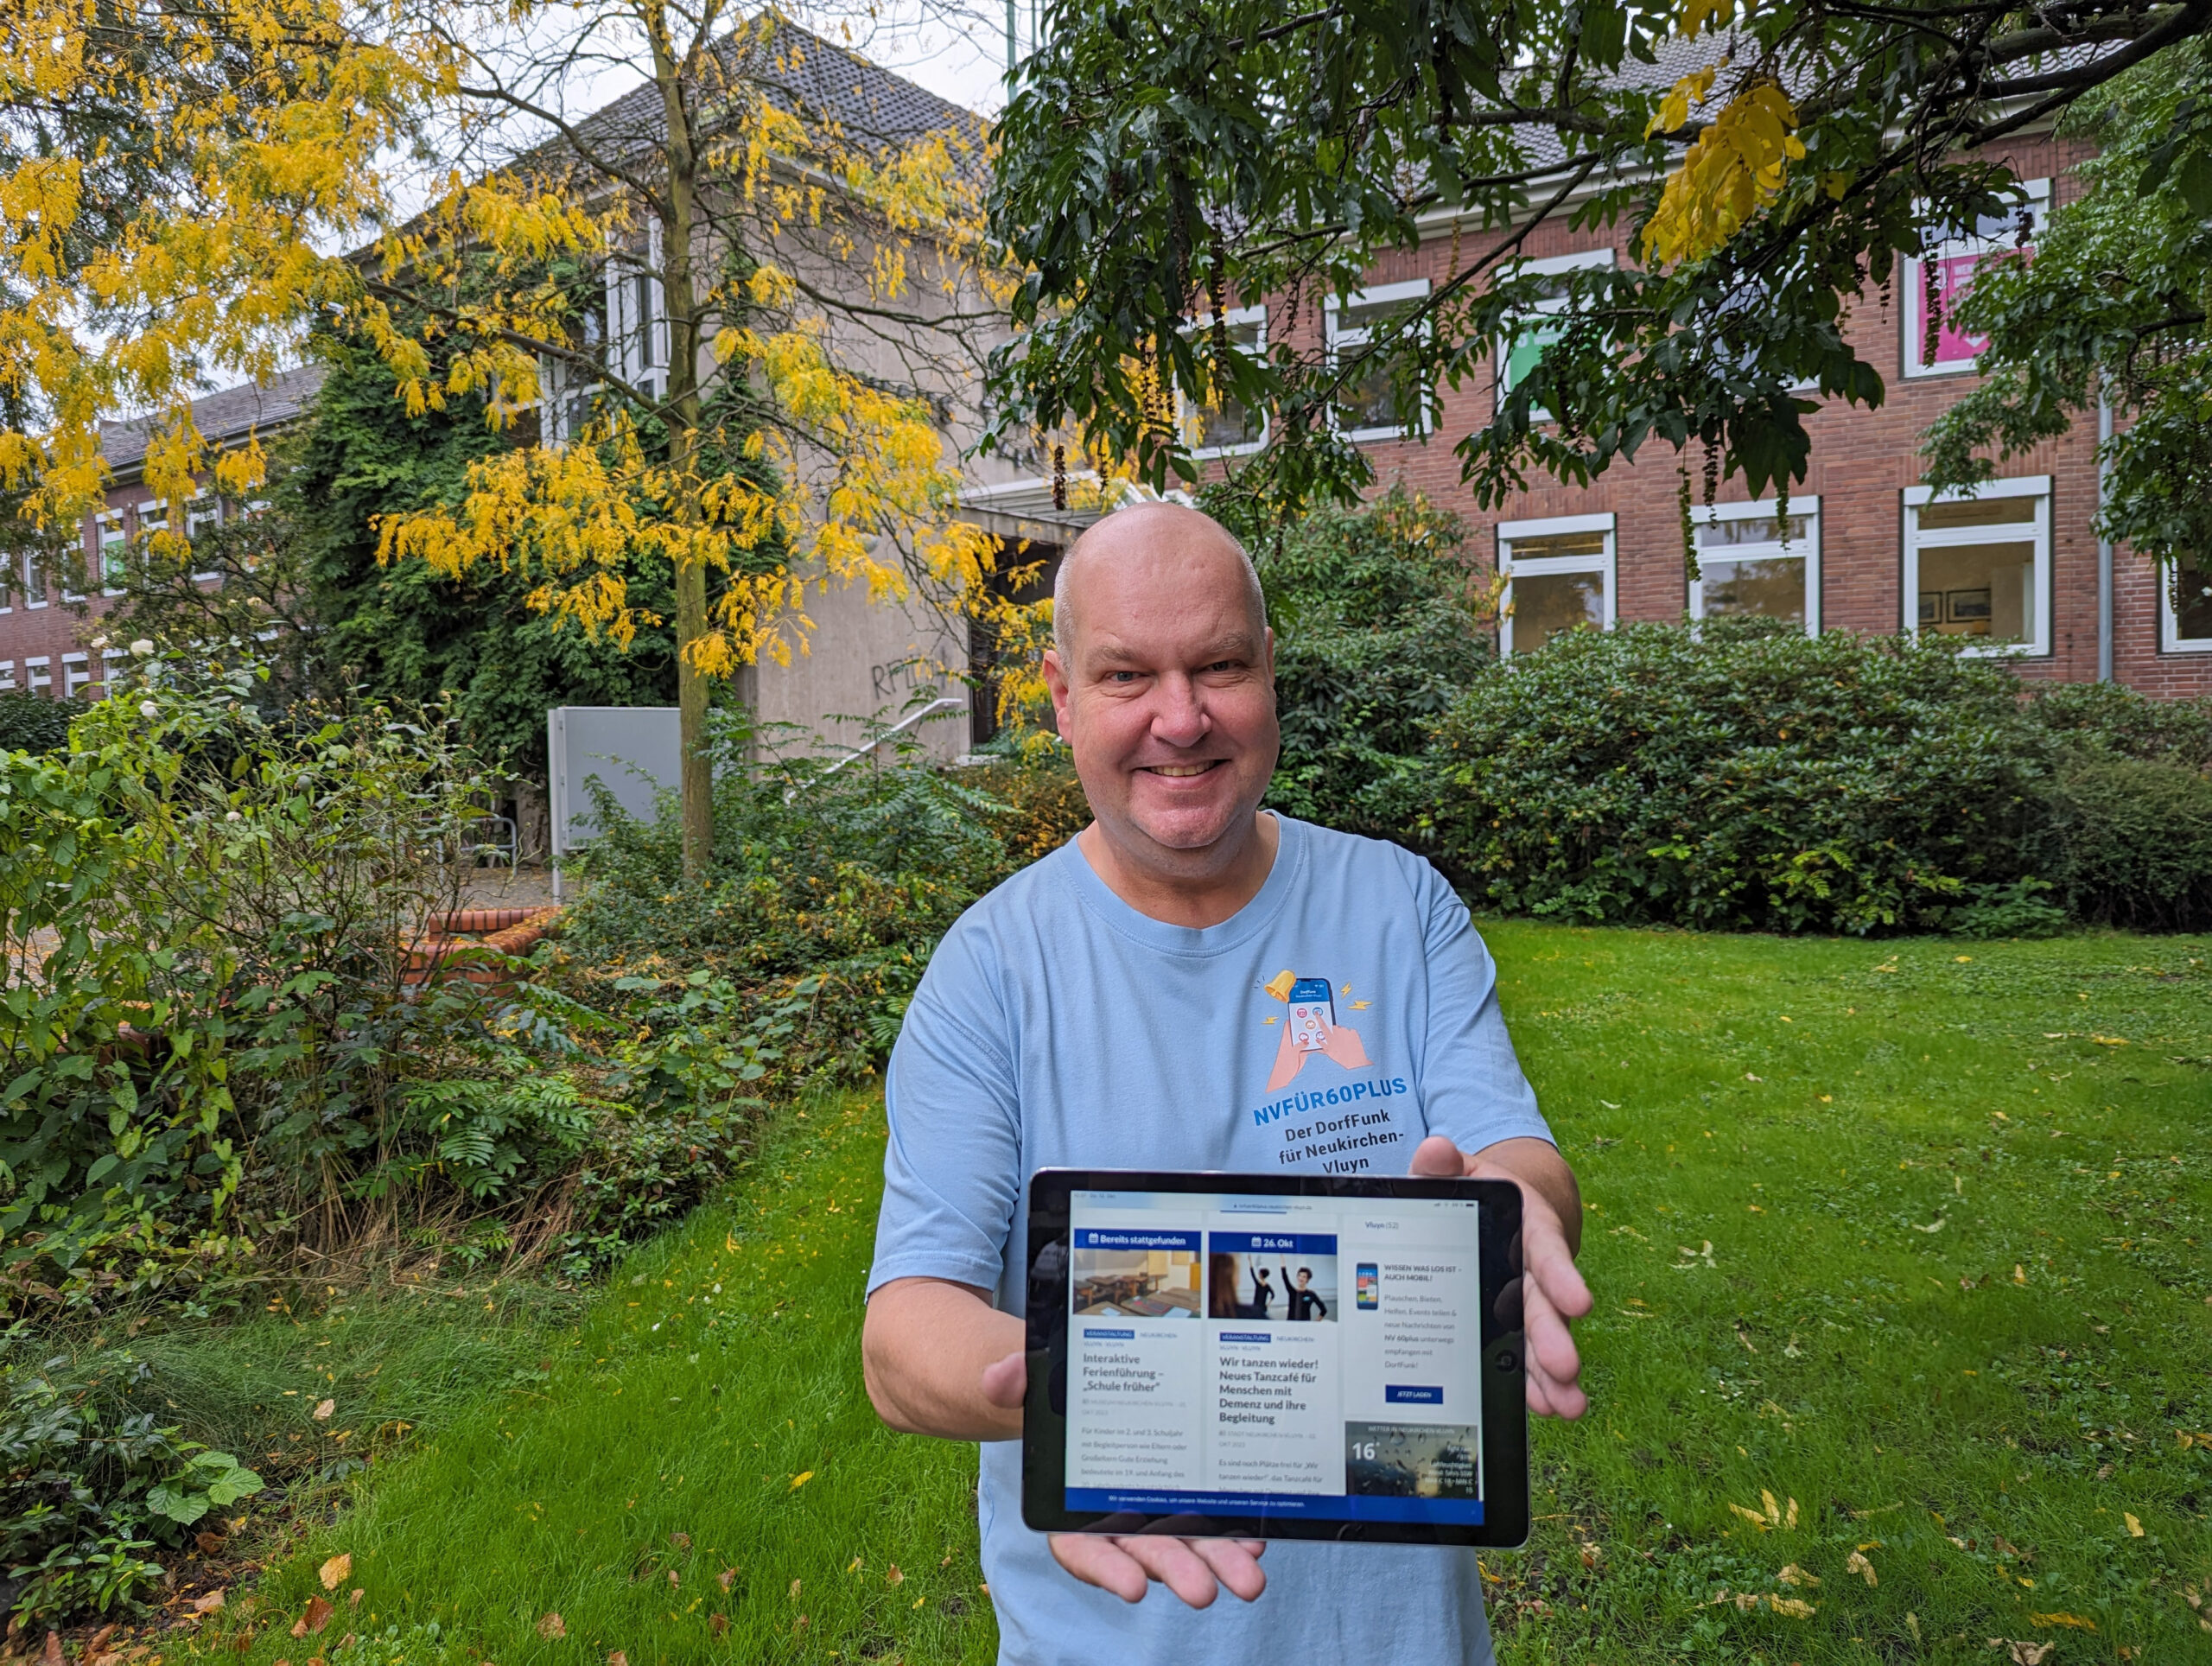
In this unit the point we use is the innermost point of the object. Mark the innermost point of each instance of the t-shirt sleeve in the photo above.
(1473, 1090)
(952, 1170)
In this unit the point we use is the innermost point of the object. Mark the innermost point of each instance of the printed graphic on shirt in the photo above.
(1333, 1121)
(1313, 1029)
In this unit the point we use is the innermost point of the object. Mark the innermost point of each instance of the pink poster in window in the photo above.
(1953, 274)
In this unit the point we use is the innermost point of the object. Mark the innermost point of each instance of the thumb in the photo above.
(1005, 1381)
(1439, 1158)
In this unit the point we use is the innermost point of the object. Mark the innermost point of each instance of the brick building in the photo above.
(47, 628)
(2017, 569)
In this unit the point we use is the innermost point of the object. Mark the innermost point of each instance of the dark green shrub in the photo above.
(1745, 778)
(2129, 841)
(33, 723)
(1379, 629)
(89, 1483)
(2113, 719)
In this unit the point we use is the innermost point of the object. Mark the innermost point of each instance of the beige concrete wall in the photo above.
(864, 658)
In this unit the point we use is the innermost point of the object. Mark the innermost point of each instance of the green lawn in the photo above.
(1911, 1237)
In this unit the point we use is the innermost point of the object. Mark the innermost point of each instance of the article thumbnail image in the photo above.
(1136, 1283)
(1412, 1460)
(1277, 1285)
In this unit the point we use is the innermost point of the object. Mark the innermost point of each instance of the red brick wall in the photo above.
(1862, 460)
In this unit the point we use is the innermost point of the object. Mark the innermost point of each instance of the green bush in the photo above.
(34, 723)
(1743, 776)
(1380, 627)
(90, 1483)
(2128, 841)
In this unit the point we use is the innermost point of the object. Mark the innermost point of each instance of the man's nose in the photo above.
(1179, 716)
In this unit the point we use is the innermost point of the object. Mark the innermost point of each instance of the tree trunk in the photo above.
(681, 412)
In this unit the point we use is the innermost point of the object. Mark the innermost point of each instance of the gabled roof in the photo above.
(825, 85)
(222, 418)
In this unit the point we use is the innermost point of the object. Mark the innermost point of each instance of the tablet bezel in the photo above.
(1505, 1411)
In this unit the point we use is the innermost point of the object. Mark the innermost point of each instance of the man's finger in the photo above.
(1236, 1563)
(1176, 1565)
(1005, 1381)
(1437, 1156)
(1550, 1346)
(1101, 1561)
(1545, 1254)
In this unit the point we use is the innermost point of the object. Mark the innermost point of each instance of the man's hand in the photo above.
(1552, 1293)
(1196, 1570)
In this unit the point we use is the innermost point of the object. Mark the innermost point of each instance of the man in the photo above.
(1299, 1302)
(1180, 986)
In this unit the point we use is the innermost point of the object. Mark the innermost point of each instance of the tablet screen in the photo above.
(1238, 1354)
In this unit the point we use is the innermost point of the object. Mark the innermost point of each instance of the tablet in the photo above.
(1275, 1357)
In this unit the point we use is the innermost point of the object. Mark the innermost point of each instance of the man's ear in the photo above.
(1056, 684)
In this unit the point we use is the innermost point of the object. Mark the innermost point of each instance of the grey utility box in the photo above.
(635, 752)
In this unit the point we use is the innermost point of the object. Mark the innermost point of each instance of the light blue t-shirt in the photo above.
(1058, 1027)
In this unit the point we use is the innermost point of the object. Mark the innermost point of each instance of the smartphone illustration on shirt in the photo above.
(1312, 1014)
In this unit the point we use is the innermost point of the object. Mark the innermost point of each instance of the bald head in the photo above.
(1192, 538)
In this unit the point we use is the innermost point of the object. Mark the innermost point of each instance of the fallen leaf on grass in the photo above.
(2074, 1620)
(618, 1658)
(1792, 1607)
(795, 1587)
(1935, 1226)
(1857, 1563)
(681, 1540)
(322, 1410)
(210, 1604)
(1794, 1575)
(552, 1626)
(335, 1572)
(2134, 1527)
(894, 1577)
(1751, 1515)
(2024, 1653)
(718, 1623)
(52, 1654)
(208, 1544)
(727, 1577)
(673, 1582)
(801, 1479)
(317, 1616)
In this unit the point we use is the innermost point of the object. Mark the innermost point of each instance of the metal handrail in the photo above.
(943, 702)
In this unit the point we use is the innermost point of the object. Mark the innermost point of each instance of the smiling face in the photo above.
(1164, 687)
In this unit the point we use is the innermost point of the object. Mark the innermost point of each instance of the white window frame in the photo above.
(1340, 336)
(1914, 276)
(152, 516)
(1917, 497)
(76, 673)
(1200, 331)
(2170, 640)
(1607, 564)
(1544, 266)
(7, 677)
(637, 337)
(38, 672)
(111, 658)
(204, 511)
(108, 529)
(1765, 509)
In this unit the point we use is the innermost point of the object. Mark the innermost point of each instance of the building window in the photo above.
(1978, 566)
(113, 661)
(1221, 427)
(38, 672)
(7, 677)
(33, 584)
(1362, 332)
(76, 674)
(1752, 562)
(1523, 348)
(1559, 576)
(2185, 605)
(202, 516)
(1955, 259)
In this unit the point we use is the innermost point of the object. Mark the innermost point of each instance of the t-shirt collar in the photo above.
(1253, 917)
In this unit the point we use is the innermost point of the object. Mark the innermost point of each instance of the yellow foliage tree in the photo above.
(746, 304)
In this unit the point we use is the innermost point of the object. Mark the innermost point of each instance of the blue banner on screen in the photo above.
(1462, 1511)
(1326, 1366)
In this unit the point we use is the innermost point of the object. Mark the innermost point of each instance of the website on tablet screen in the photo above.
(1238, 1355)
